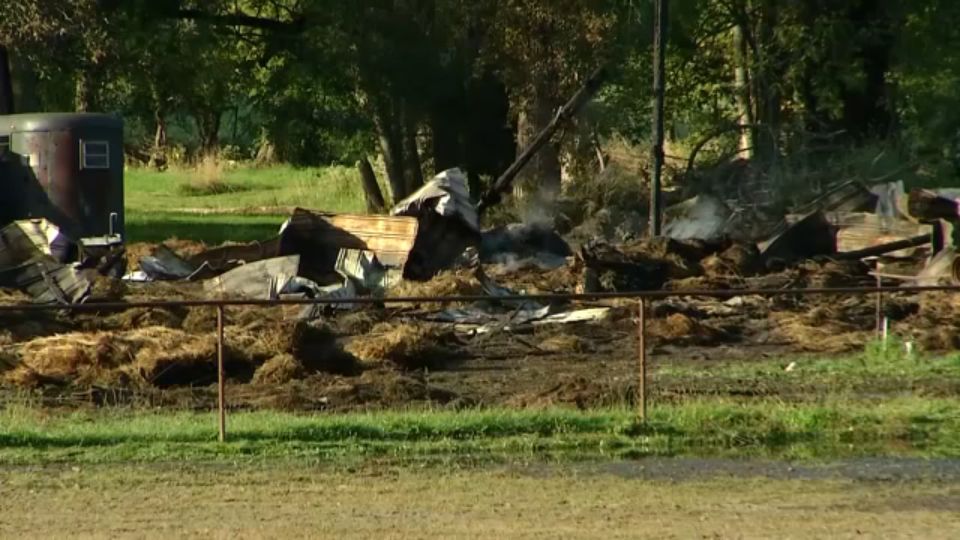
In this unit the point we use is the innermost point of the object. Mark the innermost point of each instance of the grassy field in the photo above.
(905, 426)
(296, 501)
(214, 204)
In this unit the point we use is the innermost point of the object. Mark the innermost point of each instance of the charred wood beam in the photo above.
(564, 114)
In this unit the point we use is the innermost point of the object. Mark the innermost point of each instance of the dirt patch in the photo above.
(407, 345)
(580, 392)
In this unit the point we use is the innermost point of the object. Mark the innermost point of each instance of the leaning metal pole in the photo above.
(659, 69)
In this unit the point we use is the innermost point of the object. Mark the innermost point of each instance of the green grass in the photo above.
(875, 362)
(243, 203)
(907, 426)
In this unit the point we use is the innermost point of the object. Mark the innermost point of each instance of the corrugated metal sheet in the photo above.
(449, 224)
(448, 194)
(257, 280)
(31, 255)
(48, 282)
(24, 240)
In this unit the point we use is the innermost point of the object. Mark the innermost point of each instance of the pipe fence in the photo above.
(643, 299)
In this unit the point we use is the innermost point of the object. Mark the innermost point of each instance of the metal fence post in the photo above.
(642, 357)
(879, 267)
(221, 399)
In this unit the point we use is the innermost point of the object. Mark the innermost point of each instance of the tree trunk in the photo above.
(208, 126)
(769, 71)
(390, 136)
(445, 140)
(866, 108)
(158, 155)
(85, 99)
(745, 119)
(24, 81)
(541, 179)
(412, 169)
(371, 189)
(6, 83)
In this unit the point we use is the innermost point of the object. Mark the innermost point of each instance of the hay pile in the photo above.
(680, 329)
(738, 260)
(566, 343)
(832, 274)
(460, 282)
(406, 345)
(812, 334)
(699, 283)
(151, 356)
(315, 346)
(13, 296)
(280, 369)
(566, 279)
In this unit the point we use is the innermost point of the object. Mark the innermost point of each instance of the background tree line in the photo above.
(430, 84)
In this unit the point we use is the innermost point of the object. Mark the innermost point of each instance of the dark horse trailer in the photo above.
(66, 167)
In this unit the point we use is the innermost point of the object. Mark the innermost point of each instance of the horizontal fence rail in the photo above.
(573, 297)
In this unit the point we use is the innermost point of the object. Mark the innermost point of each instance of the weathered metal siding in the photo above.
(49, 182)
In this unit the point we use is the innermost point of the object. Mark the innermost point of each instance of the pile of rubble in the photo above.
(432, 244)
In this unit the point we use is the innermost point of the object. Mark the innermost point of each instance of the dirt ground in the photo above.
(618, 501)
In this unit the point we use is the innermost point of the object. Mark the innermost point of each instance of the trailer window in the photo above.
(4, 147)
(94, 155)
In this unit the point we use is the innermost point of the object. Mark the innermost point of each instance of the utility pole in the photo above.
(659, 67)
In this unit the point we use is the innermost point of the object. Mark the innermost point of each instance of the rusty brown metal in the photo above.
(221, 396)
(366, 300)
(642, 357)
(879, 267)
(68, 169)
